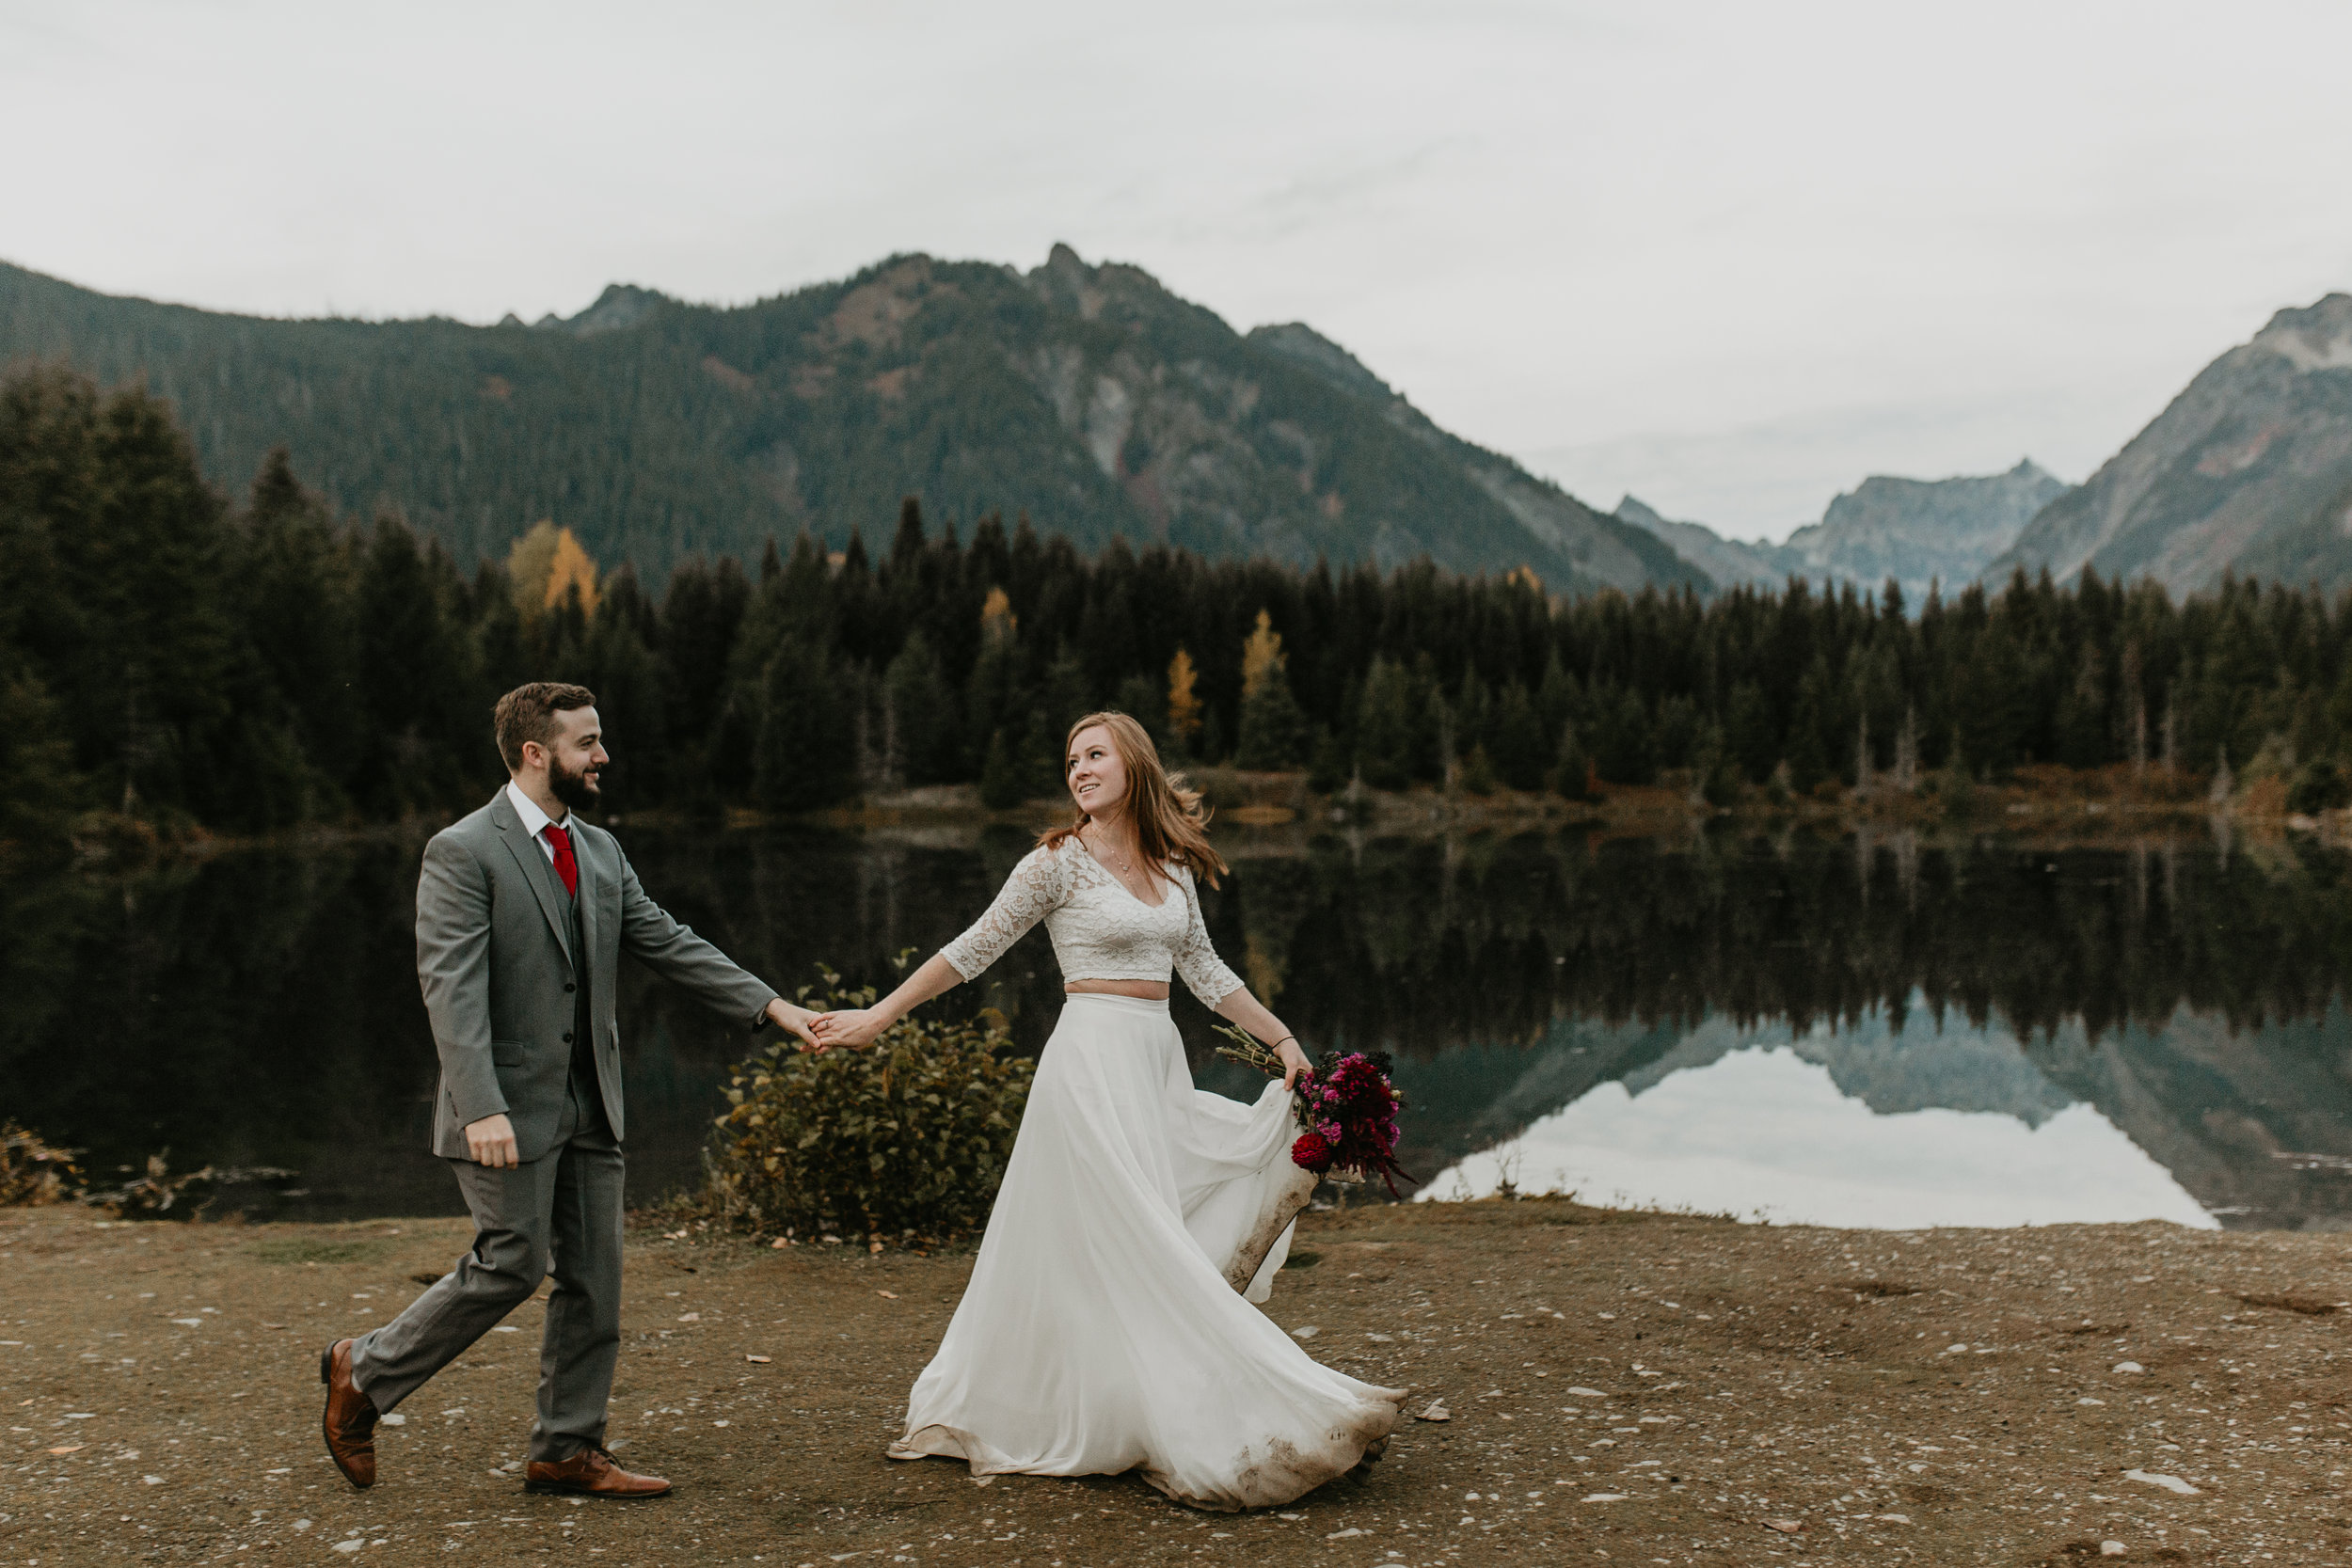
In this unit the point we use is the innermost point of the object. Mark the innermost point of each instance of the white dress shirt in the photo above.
(536, 822)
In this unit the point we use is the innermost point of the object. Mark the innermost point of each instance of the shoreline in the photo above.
(1628, 1382)
(2085, 807)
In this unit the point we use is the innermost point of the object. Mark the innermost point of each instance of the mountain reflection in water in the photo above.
(1998, 1029)
(1862, 1127)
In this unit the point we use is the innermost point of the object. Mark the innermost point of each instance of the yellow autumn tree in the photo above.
(1184, 704)
(1261, 655)
(545, 564)
(573, 567)
(998, 621)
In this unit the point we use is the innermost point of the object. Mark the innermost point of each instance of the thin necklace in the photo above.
(1123, 862)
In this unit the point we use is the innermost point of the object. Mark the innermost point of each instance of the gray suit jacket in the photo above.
(495, 956)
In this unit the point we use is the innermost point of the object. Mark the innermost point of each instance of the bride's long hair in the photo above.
(1171, 825)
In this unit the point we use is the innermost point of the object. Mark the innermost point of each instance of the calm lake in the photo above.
(1878, 1030)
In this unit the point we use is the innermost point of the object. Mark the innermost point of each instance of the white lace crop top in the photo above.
(1101, 931)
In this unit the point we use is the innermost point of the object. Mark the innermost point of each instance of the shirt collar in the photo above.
(535, 820)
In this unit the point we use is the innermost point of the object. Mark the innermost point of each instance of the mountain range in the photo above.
(1916, 532)
(2247, 472)
(1093, 400)
(1087, 397)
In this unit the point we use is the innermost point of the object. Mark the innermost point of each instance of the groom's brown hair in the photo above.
(527, 713)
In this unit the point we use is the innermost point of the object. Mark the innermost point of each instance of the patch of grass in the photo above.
(313, 1249)
(1302, 1260)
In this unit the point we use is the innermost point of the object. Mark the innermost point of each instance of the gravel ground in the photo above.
(1638, 1388)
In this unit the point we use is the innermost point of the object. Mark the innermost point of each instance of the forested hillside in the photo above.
(166, 656)
(1085, 397)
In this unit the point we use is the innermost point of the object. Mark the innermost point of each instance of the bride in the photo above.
(1099, 1333)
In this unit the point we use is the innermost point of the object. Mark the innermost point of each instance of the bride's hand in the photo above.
(1293, 1061)
(851, 1029)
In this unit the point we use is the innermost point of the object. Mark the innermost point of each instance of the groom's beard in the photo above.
(575, 791)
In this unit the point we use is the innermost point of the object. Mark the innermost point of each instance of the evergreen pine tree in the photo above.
(1139, 698)
(625, 674)
(1478, 772)
(1571, 775)
(148, 676)
(425, 730)
(922, 712)
(702, 612)
(1384, 726)
(1330, 763)
(298, 594)
(1004, 783)
(40, 790)
(1517, 749)
(1068, 697)
(39, 786)
(802, 756)
(1273, 730)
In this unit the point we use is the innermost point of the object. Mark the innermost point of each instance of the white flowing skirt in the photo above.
(1098, 1333)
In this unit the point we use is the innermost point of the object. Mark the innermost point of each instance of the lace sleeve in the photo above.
(1035, 889)
(1205, 975)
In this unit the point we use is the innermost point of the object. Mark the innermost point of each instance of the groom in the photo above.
(523, 911)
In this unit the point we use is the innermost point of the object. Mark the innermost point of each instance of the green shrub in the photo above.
(907, 1136)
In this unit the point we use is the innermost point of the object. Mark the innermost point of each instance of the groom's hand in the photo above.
(491, 1142)
(798, 1021)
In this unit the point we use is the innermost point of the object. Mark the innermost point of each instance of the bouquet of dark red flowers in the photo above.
(1346, 1107)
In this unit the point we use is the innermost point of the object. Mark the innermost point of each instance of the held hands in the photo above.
(1293, 1061)
(491, 1142)
(852, 1027)
(798, 1021)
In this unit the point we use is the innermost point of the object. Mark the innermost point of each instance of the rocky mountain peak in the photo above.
(1303, 345)
(621, 305)
(2314, 337)
(2249, 471)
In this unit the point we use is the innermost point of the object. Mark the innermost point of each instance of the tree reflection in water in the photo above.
(261, 1007)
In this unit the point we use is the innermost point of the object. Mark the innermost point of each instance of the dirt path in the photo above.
(1629, 1388)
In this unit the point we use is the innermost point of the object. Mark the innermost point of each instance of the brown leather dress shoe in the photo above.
(590, 1473)
(349, 1423)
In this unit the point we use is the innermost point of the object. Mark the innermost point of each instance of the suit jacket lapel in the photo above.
(532, 861)
(591, 883)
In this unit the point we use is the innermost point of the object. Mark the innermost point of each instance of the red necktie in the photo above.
(565, 866)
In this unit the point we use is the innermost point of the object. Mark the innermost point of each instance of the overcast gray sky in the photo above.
(1732, 257)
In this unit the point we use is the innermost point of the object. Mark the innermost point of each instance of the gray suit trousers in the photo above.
(557, 1215)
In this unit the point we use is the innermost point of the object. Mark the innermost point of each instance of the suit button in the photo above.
(569, 986)
(568, 1036)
